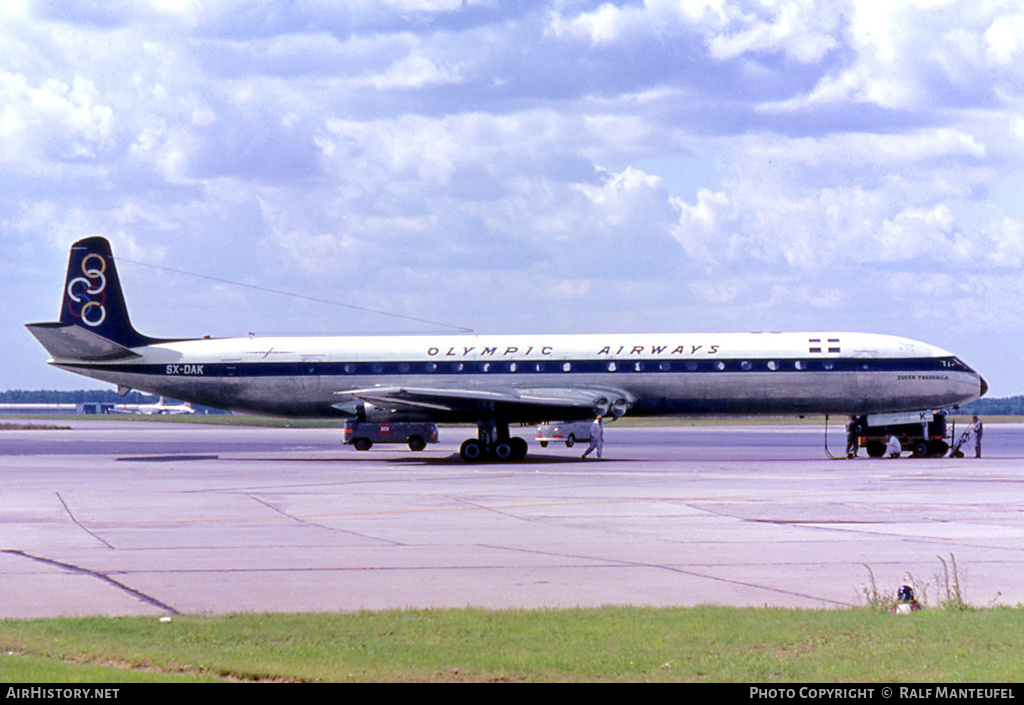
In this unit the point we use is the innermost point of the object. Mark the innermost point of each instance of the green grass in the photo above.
(703, 644)
(4, 426)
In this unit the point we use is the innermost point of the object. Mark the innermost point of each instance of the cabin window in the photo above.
(746, 366)
(567, 367)
(612, 367)
(772, 365)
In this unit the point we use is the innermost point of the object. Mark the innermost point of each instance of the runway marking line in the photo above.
(532, 505)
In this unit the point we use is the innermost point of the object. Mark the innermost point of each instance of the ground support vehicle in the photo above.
(568, 432)
(923, 433)
(361, 435)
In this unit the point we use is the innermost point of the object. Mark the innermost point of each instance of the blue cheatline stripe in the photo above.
(533, 367)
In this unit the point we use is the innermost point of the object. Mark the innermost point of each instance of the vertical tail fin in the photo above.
(92, 295)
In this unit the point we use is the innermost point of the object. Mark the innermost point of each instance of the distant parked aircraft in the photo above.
(161, 407)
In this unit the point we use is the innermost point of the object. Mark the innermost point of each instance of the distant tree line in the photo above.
(1005, 406)
(79, 396)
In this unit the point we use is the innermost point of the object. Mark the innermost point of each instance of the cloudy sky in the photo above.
(520, 166)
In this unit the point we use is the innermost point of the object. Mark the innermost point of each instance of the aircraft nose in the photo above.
(984, 385)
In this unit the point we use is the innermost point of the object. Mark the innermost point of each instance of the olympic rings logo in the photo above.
(92, 312)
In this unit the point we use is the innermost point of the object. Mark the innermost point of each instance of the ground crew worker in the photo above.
(596, 438)
(976, 429)
(893, 447)
(852, 442)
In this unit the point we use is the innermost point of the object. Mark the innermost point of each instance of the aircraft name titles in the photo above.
(659, 350)
(510, 350)
(547, 351)
(912, 378)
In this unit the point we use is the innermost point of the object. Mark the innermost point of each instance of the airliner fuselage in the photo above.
(772, 373)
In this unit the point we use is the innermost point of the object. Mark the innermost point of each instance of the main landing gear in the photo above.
(493, 443)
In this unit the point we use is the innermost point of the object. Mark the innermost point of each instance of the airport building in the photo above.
(43, 409)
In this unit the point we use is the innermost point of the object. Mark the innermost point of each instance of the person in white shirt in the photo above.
(976, 429)
(893, 447)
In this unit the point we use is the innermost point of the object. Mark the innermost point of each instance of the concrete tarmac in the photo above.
(127, 518)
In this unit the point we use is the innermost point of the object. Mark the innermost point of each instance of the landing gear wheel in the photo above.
(503, 451)
(493, 444)
(472, 451)
(519, 448)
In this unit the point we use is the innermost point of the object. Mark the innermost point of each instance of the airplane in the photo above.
(496, 381)
(160, 408)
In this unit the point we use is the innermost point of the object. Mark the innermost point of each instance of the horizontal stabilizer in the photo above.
(65, 341)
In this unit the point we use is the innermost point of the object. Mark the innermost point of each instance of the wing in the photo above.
(526, 405)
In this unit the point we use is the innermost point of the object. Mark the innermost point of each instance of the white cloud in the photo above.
(52, 121)
(415, 71)
(910, 54)
(801, 30)
(1004, 39)
(914, 232)
(798, 29)
(859, 149)
(806, 206)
